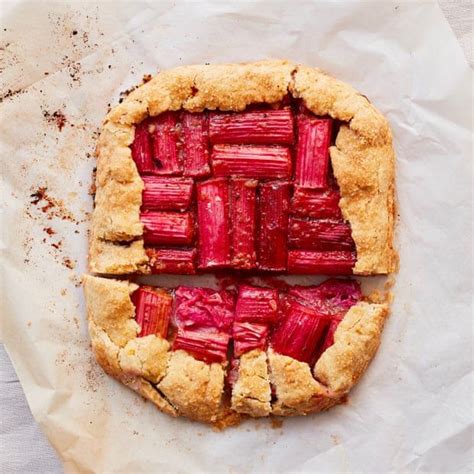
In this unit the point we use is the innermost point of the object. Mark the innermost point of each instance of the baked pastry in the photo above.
(251, 169)
(205, 151)
(218, 355)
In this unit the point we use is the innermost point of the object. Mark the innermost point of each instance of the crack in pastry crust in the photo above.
(363, 158)
(178, 384)
(251, 393)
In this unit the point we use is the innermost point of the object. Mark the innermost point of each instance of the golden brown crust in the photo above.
(117, 258)
(368, 154)
(297, 392)
(145, 357)
(105, 351)
(251, 393)
(356, 341)
(193, 387)
(147, 391)
(110, 308)
(365, 174)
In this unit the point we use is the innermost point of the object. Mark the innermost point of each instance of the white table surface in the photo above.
(23, 447)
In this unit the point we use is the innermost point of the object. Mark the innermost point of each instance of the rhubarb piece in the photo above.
(257, 305)
(316, 203)
(196, 147)
(205, 346)
(164, 132)
(166, 194)
(312, 151)
(300, 333)
(141, 148)
(213, 219)
(167, 228)
(248, 336)
(175, 261)
(273, 228)
(326, 262)
(334, 297)
(243, 198)
(258, 126)
(250, 161)
(152, 311)
(328, 234)
(204, 308)
(328, 340)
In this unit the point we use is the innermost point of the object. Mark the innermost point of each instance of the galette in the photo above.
(254, 173)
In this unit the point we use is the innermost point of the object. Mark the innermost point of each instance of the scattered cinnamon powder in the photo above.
(58, 118)
(50, 206)
(277, 423)
(67, 262)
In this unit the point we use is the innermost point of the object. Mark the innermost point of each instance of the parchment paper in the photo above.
(64, 63)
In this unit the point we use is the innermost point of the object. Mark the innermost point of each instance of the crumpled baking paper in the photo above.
(64, 63)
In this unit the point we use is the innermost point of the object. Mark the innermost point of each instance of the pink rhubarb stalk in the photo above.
(327, 234)
(257, 305)
(174, 261)
(243, 199)
(257, 126)
(213, 220)
(312, 151)
(204, 308)
(205, 346)
(196, 146)
(334, 297)
(328, 340)
(164, 130)
(251, 161)
(273, 226)
(249, 336)
(167, 228)
(316, 203)
(300, 333)
(166, 194)
(141, 148)
(325, 262)
(152, 311)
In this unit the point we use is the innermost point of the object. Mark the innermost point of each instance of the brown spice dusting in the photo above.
(11, 93)
(49, 230)
(57, 245)
(50, 206)
(277, 423)
(67, 262)
(58, 118)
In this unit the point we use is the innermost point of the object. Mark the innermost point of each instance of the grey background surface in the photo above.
(23, 447)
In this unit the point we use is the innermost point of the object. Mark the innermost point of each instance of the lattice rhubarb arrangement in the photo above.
(248, 191)
(299, 322)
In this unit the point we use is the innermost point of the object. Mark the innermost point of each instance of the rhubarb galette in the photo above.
(253, 170)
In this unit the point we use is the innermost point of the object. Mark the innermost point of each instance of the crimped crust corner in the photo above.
(356, 341)
(297, 392)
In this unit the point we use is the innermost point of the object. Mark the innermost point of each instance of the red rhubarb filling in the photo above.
(222, 325)
(251, 190)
